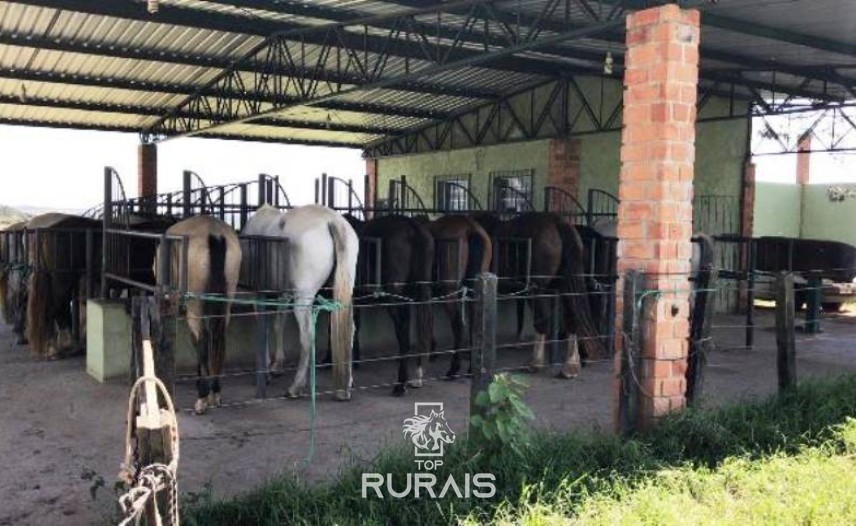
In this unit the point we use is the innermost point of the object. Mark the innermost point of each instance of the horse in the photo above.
(462, 249)
(13, 276)
(318, 242)
(557, 262)
(213, 264)
(406, 264)
(429, 432)
(56, 250)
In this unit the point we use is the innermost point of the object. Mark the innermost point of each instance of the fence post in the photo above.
(106, 219)
(785, 337)
(243, 211)
(750, 296)
(484, 344)
(185, 193)
(162, 312)
(262, 199)
(813, 301)
(631, 353)
(700, 322)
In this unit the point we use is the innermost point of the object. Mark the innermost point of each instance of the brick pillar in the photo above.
(370, 190)
(655, 189)
(563, 164)
(147, 172)
(804, 159)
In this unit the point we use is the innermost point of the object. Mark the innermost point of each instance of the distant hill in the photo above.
(9, 215)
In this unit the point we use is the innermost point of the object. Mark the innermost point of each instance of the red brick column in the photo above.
(147, 170)
(804, 159)
(563, 164)
(370, 190)
(656, 188)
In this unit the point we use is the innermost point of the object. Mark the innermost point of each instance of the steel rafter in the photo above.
(562, 109)
(278, 57)
(154, 111)
(71, 125)
(189, 89)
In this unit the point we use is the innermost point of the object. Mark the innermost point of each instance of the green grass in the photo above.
(786, 457)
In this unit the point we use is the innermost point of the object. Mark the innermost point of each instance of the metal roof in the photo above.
(410, 64)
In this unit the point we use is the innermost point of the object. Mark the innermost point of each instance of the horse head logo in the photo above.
(429, 432)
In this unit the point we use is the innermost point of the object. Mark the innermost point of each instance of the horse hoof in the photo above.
(276, 369)
(214, 400)
(343, 395)
(201, 406)
(399, 390)
(416, 384)
(294, 392)
(569, 372)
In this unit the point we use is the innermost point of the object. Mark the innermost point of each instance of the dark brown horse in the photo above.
(556, 263)
(56, 248)
(462, 250)
(405, 267)
(13, 276)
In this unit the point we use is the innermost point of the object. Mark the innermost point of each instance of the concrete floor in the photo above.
(56, 422)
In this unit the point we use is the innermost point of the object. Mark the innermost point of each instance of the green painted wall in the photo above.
(420, 169)
(777, 210)
(824, 219)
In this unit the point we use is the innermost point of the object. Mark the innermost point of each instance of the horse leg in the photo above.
(572, 365)
(400, 315)
(199, 338)
(278, 365)
(304, 324)
(541, 321)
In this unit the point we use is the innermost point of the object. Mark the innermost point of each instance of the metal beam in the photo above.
(155, 111)
(83, 126)
(216, 21)
(779, 34)
(206, 61)
(276, 57)
(189, 89)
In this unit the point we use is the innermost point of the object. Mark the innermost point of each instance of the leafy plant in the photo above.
(502, 422)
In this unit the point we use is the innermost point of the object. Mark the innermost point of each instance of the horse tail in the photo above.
(38, 327)
(424, 259)
(342, 326)
(578, 308)
(5, 305)
(480, 249)
(214, 313)
(520, 305)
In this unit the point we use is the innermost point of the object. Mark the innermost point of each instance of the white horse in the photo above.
(318, 242)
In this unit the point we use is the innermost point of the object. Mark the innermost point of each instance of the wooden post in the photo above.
(814, 295)
(785, 338)
(700, 321)
(631, 353)
(750, 295)
(484, 345)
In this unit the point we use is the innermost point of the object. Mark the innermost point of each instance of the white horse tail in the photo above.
(342, 327)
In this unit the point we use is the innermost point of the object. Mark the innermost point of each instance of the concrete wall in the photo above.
(777, 210)
(824, 219)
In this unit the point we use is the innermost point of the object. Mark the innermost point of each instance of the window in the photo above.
(511, 191)
(452, 193)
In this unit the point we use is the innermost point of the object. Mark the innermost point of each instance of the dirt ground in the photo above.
(57, 423)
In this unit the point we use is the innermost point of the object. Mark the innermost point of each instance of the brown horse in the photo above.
(557, 262)
(463, 249)
(13, 276)
(406, 263)
(213, 265)
(56, 250)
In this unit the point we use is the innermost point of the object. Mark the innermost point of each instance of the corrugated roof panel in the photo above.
(67, 116)
(285, 132)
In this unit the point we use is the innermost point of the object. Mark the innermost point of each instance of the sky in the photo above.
(63, 169)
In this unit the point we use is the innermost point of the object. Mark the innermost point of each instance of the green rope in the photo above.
(320, 304)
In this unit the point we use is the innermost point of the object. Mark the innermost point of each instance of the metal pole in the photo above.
(106, 220)
(243, 213)
(186, 194)
(262, 200)
(331, 192)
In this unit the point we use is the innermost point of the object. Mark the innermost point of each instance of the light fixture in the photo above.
(152, 6)
(607, 63)
(329, 120)
(23, 95)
